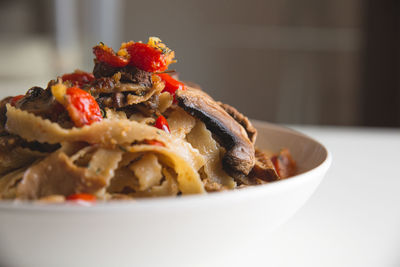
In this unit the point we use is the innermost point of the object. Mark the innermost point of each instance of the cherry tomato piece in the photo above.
(79, 78)
(161, 123)
(82, 197)
(82, 107)
(153, 142)
(146, 57)
(105, 54)
(15, 99)
(171, 85)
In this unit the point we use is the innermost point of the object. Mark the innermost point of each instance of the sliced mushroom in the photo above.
(239, 117)
(239, 158)
(242, 120)
(264, 168)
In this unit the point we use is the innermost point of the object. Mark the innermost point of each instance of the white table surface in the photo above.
(353, 219)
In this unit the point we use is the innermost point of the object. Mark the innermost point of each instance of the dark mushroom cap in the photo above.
(239, 158)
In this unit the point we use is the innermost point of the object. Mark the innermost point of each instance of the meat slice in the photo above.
(239, 157)
(123, 87)
(110, 85)
(243, 120)
(129, 74)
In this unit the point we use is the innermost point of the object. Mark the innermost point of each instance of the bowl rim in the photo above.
(162, 203)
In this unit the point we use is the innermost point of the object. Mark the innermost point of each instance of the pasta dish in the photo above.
(129, 129)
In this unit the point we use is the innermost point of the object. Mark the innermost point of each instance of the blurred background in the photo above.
(329, 62)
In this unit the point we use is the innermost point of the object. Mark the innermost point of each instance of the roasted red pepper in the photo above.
(82, 107)
(161, 123)
(154, 142)
(171, 85)
(146, 57)
(79, 78)
(15, 99)
(284, 164)
(82, 197)
(105, 54)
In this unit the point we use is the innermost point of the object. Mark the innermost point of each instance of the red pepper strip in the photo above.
(146, 57)
(15, 99)
(82, 198)
(153, 142)
(161, 123)
(284, 164)
(79, 78)
(105, 54)
(171, 85)
(82, 107)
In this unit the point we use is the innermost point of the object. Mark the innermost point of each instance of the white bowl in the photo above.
(204, 230)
